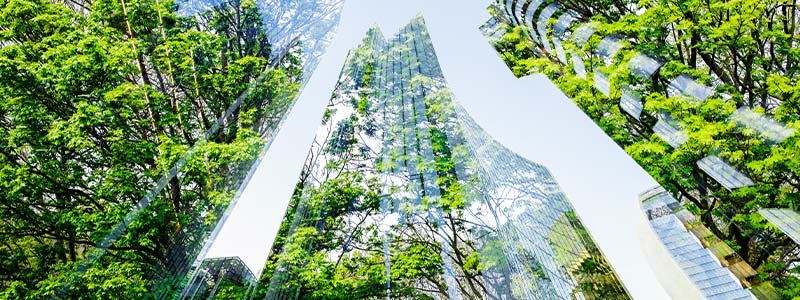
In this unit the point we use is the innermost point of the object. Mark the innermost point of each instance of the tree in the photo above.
(100, 100)
(402, 196)
(740, 49)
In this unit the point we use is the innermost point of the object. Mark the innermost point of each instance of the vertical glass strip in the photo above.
(683, 84)
(608, 48)
(631, 102)
(541, 26)
(643, 65)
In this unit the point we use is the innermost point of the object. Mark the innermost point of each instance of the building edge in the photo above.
(669, 274)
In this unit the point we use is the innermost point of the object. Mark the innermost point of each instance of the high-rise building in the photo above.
(130, 129)
(403, 195)
(686, 112)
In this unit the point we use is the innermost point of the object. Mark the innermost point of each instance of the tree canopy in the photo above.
(743, 51)
(103, 101)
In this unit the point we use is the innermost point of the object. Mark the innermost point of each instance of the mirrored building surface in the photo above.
(404, 196)
(701, 256)
(787, 221)
(698, 138)
(214, 276)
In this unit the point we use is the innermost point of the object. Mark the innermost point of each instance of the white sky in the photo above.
(529, 116)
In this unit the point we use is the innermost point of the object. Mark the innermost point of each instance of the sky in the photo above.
(530, 116)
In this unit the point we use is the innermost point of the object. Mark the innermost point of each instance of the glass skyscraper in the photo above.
(712, 267)
(695, 126)
(132, 136)
(404, 196)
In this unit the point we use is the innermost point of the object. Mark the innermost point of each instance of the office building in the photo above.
(404, 195)
(708, 268)
(684, 112)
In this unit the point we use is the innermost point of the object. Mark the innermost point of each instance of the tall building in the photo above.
(686, 112)
(404, 196)
(130, 129)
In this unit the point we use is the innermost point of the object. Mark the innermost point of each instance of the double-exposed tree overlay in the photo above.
(403, 196)
(703, 94)
(127, 128)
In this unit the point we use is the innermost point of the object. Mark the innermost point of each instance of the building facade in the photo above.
(403, 196)
(216, 276)
(131, 129)
(712, 267)
(669, 98)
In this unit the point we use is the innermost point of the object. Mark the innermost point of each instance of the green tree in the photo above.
(98, 101)
(741, 48)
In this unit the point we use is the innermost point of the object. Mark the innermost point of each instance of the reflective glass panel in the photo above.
(608, 48)
(601, 82)
(577, 64)
(668, 131)
(518, 13)
(667, 218)
(643, 65)
(685, 85)
(541, 26)
(724, 173)
(766, 126)
(403, 185)
(786, 220)
(631, 102)
(562, 56)
(563, 23)
(532, 9)
(583, 33)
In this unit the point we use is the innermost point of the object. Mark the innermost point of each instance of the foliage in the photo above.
(384, 206)
(100, 99)
(743, 48)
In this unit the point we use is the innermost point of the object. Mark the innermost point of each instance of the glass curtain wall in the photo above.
(704, 107)
(404, 196)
